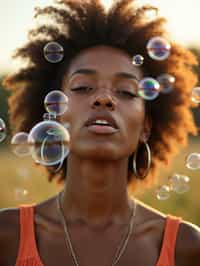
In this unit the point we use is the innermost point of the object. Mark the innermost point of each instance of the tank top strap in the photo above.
(27, 245)
(167, 255)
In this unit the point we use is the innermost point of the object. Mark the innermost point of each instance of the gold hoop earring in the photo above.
(135, 171)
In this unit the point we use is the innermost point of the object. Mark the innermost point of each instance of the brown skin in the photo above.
(95, 201)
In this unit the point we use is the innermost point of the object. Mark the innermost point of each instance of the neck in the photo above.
(96, 192)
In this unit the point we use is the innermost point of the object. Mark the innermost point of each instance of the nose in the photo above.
(105, 101)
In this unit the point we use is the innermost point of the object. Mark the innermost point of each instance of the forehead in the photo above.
(104, 60)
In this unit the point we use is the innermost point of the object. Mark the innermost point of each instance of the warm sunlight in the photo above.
(16, 17)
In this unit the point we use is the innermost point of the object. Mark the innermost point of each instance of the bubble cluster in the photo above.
(196, 95)
(20, 145)
(3, 131)
(56, 103)
(138, 60)
(179, 183)
(148, 88)
(49, 142)
(193, 161)
(158, 48)
(166, 82)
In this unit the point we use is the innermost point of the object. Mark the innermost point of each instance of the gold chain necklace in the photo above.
(121, 248)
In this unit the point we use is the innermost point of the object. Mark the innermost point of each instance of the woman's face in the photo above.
(101, 83)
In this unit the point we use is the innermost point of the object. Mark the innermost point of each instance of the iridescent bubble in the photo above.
(56, 102)
(138, 60)
(166, 82)
(49, 116)
(179, 183)
(148, 89)
(49, 142)
(20, 145)
(2, 130)
(158, 48)
(20, 194)
(53, 52)
(196, 95)
(163, 192)
(193, 161)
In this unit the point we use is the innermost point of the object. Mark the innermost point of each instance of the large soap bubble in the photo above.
(20, 145)
(149, 88)
(2, 130)
(56, 102)
(53, 52)
(158, 48)
(49, 142)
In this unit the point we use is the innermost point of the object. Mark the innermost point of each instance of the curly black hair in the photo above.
(80, 24)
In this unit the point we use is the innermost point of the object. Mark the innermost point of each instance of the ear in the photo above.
(146, 131)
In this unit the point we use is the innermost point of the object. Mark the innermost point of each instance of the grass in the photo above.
(23, 183)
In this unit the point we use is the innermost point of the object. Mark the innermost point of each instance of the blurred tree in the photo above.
(4, 94)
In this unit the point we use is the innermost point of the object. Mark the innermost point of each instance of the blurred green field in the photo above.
(21, 182)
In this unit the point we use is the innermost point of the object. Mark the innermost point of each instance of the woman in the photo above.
(118, 141)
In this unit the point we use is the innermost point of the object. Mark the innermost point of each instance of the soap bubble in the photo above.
(163, 192)
(49, 142)
(49, 116)
(138, 60)
(20, 145)
(20, 194)
(56, 102)
(179, 183)
(193, 161)
(166, 82)
(149, 89)
(158, 48)
(196, 95)
(53, 52)
(2, 130)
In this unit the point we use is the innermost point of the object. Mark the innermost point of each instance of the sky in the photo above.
(16, 17)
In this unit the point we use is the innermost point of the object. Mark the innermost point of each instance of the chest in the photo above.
(99, 249)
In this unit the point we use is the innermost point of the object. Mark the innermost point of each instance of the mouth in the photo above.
(102, 124)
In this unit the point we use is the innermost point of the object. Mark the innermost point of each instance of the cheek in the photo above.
(135, 121)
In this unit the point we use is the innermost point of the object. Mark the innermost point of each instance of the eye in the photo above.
(82, 89)
(127, 94)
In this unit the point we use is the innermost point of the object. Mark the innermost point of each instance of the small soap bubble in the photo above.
(3, 131)
(149, 89)
(20, 145)
(163, 192)
(193, 161)
(166, 82)
(138, 60)
(158, 48)
(53, 52)
(49, 142)
(49, 116)
(20, 194)
(56, 102)
(196, 95)
(179, 183)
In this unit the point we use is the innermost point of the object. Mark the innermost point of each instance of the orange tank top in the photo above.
(28, 254)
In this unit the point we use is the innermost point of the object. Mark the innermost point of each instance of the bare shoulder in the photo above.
(9, 232)
(188, 245)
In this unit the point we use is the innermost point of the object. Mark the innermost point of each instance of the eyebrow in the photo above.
(93, 72)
